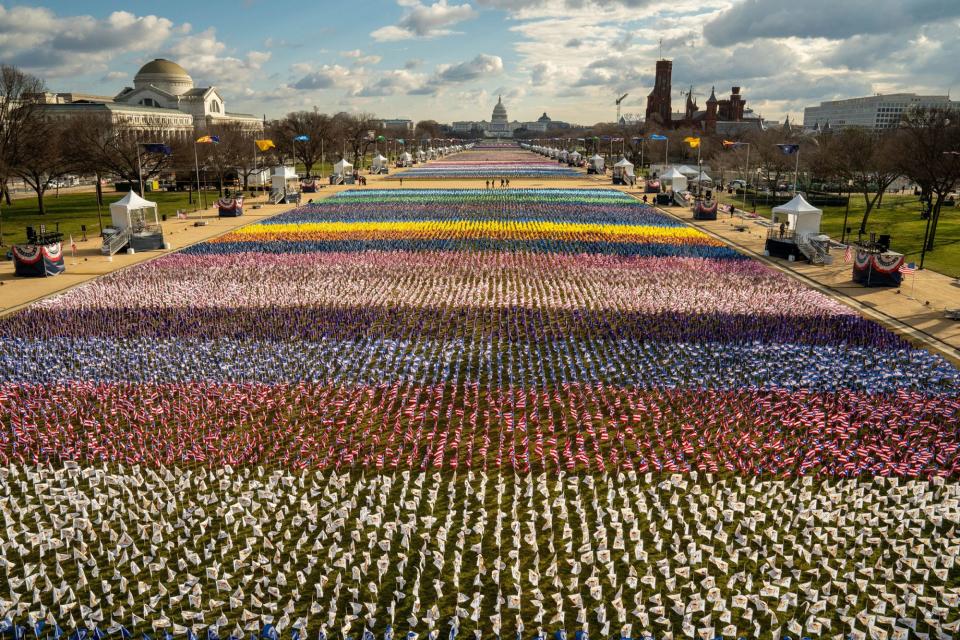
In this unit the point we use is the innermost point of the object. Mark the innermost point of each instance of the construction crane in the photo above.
(619, 100)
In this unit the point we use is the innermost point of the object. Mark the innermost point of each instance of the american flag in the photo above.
(848, 254)
(907, 268)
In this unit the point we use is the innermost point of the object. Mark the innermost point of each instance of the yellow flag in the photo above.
(263, 145)
(693, 142)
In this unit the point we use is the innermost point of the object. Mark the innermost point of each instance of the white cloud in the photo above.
(482, 66)
(424, 21)
(360, 58)
(329, 77)
(39, 41)
(207, 61)
(752, 19)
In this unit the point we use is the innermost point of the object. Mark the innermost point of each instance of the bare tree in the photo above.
(931, 139)
(18, 112)
(426, 129)
(867, 160)
(356, 130)
(316, 127)
(117, 149)
(41, 158)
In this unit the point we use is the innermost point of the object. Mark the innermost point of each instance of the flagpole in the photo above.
(196, 164)
(140, 169)
(747, 177)
(796, 172)
(699, 175)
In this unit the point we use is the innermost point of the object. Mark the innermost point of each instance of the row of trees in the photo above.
(923, 149)
(40, 149)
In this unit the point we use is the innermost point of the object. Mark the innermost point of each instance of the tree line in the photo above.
(924, 149)
(40, 148)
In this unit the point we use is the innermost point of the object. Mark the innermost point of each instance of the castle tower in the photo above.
(737, 104)
(659, 107)
(691, 108)
(710, 122)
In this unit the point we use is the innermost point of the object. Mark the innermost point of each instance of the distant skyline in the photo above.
(448, 60)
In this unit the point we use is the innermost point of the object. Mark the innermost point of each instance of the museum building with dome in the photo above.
(162, 99)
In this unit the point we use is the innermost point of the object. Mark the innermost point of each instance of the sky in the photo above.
(449, 60)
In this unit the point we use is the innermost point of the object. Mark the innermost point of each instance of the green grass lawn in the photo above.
(75, 209)
(898, 216)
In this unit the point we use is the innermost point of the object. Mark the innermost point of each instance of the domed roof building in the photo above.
(166, 88)
(499, 123)
(162, 103)
(165, 75)
(499, 111)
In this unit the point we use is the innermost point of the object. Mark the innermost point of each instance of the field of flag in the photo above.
(495, 411)
(489, 160)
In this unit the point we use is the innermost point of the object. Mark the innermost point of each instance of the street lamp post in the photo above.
(843, 234)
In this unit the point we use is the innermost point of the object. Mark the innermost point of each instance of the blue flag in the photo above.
(561, 634)
(57, 632)
(144, 636)
(302, 138)
(295, 635)
(38, 627)
(657, 136)
(580, 634)
(125, 633)
(388, 634)
(158, 147)
(321, 635)
(5, 625)
(788, 150)
(167, 635)
(453, 632)
(190, 634)
(212, 633)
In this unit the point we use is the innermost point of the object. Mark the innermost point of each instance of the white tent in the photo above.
(690, 172)
(378, 163)
(676, 180)
(703, 177)
(133, 212)
(342, 168)
(596, 161)
(800, 216)
(574, 157)
(406, 159)
(623, 171)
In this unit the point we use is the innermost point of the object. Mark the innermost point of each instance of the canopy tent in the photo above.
(378, 164)
(623, 172)
(133, 212)
(406, 159)
(676, 180)
(574, 157)
(135, 224)
(596, 163)
(702, 178)
(690, 172)
(342, 168)
(799, 216)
